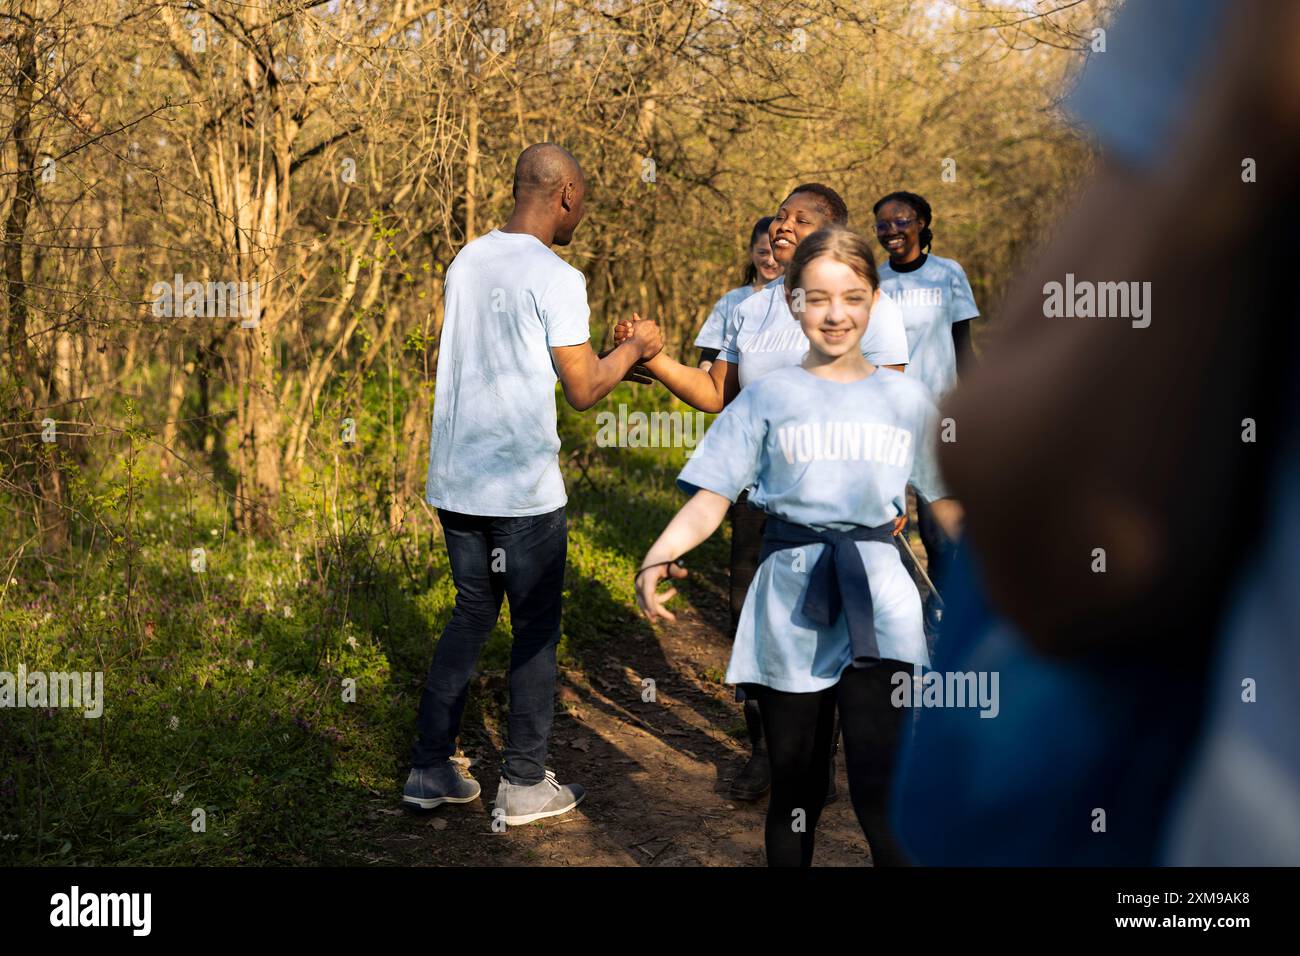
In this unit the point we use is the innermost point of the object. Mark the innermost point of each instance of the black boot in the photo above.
(755, 778)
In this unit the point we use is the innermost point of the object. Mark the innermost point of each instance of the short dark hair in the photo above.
(829, 199)
(542, 169)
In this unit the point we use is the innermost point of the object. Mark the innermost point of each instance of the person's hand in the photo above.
(899, 524)
(648, 600)
(646, 333)
(622, 331)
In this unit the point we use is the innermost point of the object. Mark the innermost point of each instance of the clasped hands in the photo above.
(646, 333)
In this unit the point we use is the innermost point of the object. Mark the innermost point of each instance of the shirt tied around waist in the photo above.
(838, 580)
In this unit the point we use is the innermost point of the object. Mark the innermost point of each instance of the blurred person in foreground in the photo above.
(1148, 711)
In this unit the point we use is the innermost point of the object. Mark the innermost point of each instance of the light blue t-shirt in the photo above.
(711, 333)
(493, 451)
(827, 455)
(933, 299)
(762, 334)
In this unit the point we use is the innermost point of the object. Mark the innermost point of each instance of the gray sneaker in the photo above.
(429, 787)
(518, 804)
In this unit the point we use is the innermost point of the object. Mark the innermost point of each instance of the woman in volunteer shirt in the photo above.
(760, 270)
(762, 334)
(937, 309)
(827, 447)
(753, 780)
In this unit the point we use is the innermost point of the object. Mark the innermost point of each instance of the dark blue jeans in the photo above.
(522, 559)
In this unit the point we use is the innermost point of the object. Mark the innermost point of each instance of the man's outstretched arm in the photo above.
(587, 377)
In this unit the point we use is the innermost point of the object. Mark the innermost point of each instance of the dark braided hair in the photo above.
(751, 270)
(919, 206)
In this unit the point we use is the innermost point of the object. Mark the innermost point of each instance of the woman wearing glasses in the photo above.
(938, 307)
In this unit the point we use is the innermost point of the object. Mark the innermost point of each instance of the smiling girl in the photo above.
(762, 334)
(827, 447)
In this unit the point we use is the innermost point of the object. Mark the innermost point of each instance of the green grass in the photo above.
(224, 690)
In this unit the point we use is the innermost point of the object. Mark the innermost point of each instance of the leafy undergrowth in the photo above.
(258, 694)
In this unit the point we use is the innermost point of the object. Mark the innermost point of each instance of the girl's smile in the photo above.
(836, 308)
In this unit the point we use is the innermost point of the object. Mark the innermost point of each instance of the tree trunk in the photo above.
(46, 483)
(471, 171)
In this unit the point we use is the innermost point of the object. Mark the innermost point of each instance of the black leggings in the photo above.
(799, 727)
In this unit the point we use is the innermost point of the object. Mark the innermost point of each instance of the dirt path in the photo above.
(656, 772)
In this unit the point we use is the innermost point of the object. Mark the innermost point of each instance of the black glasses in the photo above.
(892, 225)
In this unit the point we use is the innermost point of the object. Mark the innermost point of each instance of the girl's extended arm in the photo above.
(698, 519)
(709, 390)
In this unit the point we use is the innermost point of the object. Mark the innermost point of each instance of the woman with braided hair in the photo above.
(938, 308)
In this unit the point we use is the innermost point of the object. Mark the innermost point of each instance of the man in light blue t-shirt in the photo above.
(515, 322)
